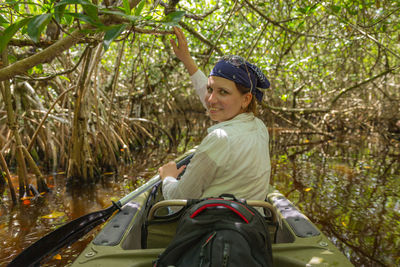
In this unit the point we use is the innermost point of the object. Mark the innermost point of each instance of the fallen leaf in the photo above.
(53, 215)
(57, 257)
(307, 189)
(26, 202)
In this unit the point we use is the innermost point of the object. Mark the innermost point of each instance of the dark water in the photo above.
(350, 189)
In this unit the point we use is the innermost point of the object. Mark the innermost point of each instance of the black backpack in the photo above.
(219, 232)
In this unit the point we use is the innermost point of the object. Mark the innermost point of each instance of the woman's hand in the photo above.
(181, 51)
(170, 169)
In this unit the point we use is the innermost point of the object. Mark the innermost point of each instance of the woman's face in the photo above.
(223, 99)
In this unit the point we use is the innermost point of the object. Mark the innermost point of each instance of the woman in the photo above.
(234, 157)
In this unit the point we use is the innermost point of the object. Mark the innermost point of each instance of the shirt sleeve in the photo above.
(198, 175)
(199, 81)
(202, 170)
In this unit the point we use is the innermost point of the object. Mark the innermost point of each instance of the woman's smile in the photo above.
(223, 99)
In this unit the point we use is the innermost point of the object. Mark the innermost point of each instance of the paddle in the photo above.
(74, 230)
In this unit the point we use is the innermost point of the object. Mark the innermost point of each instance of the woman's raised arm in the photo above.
(181, 51)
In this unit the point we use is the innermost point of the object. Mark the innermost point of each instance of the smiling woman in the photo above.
(234, 157)
(224, 101)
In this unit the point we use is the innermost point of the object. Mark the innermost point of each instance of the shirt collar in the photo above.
(242, 117)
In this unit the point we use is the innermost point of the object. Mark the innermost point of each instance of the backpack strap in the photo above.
(238, 208)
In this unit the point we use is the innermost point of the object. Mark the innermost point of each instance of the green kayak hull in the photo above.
(298, 242)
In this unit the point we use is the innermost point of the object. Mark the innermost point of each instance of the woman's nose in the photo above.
(211, 98)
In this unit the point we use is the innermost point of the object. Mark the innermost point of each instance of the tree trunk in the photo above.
(8, 176)
(22, 172)
(80, 163)
(12, 124)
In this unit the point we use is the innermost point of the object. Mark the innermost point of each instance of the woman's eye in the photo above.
(209, 89)
(223, 92)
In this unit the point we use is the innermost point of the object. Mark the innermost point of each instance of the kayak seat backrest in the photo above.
(160, 225)
(158, 231)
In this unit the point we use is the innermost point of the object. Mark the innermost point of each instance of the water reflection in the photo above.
(24, 225)
(351, 191)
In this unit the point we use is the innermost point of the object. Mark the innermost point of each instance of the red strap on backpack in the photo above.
(222, 203)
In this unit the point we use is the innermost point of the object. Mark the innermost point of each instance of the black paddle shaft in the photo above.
(74, 230)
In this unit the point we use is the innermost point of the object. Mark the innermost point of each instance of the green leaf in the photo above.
(37, 24)
(38, 69)
(139, 8)
(127, 7)
(73, 2)
(302, 10)
(86, 19)
(10, 31)
(68, 19)
(111, 34)
(173, 18)
(14, 4)
(64, 78)
(59, 12)
(91, 11)
(336, 9)
(3, 20)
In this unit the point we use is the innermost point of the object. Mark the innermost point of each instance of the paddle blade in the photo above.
(61, 237)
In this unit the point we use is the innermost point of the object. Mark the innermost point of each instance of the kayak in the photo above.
(137, 234)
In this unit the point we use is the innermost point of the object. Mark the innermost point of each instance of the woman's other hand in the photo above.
(181, 51)
(170, 169)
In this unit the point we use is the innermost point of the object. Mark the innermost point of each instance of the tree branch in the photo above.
(199, 36)
(302, 110)
(345, 90)
(46, 55)
(55, 74)
(220, 34)
(278, 24)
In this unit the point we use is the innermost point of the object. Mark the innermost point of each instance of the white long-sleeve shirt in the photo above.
(233, 158)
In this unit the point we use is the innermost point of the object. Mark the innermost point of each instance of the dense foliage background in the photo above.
(84, 84)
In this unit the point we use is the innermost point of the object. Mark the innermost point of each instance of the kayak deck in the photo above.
(298, 242)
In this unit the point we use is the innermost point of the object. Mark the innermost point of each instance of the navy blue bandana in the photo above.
(238, 70)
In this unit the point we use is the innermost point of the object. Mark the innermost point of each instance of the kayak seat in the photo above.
(161, 222)
(160, 225)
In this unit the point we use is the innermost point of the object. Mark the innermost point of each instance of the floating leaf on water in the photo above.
(55, 214)
(57, 257)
